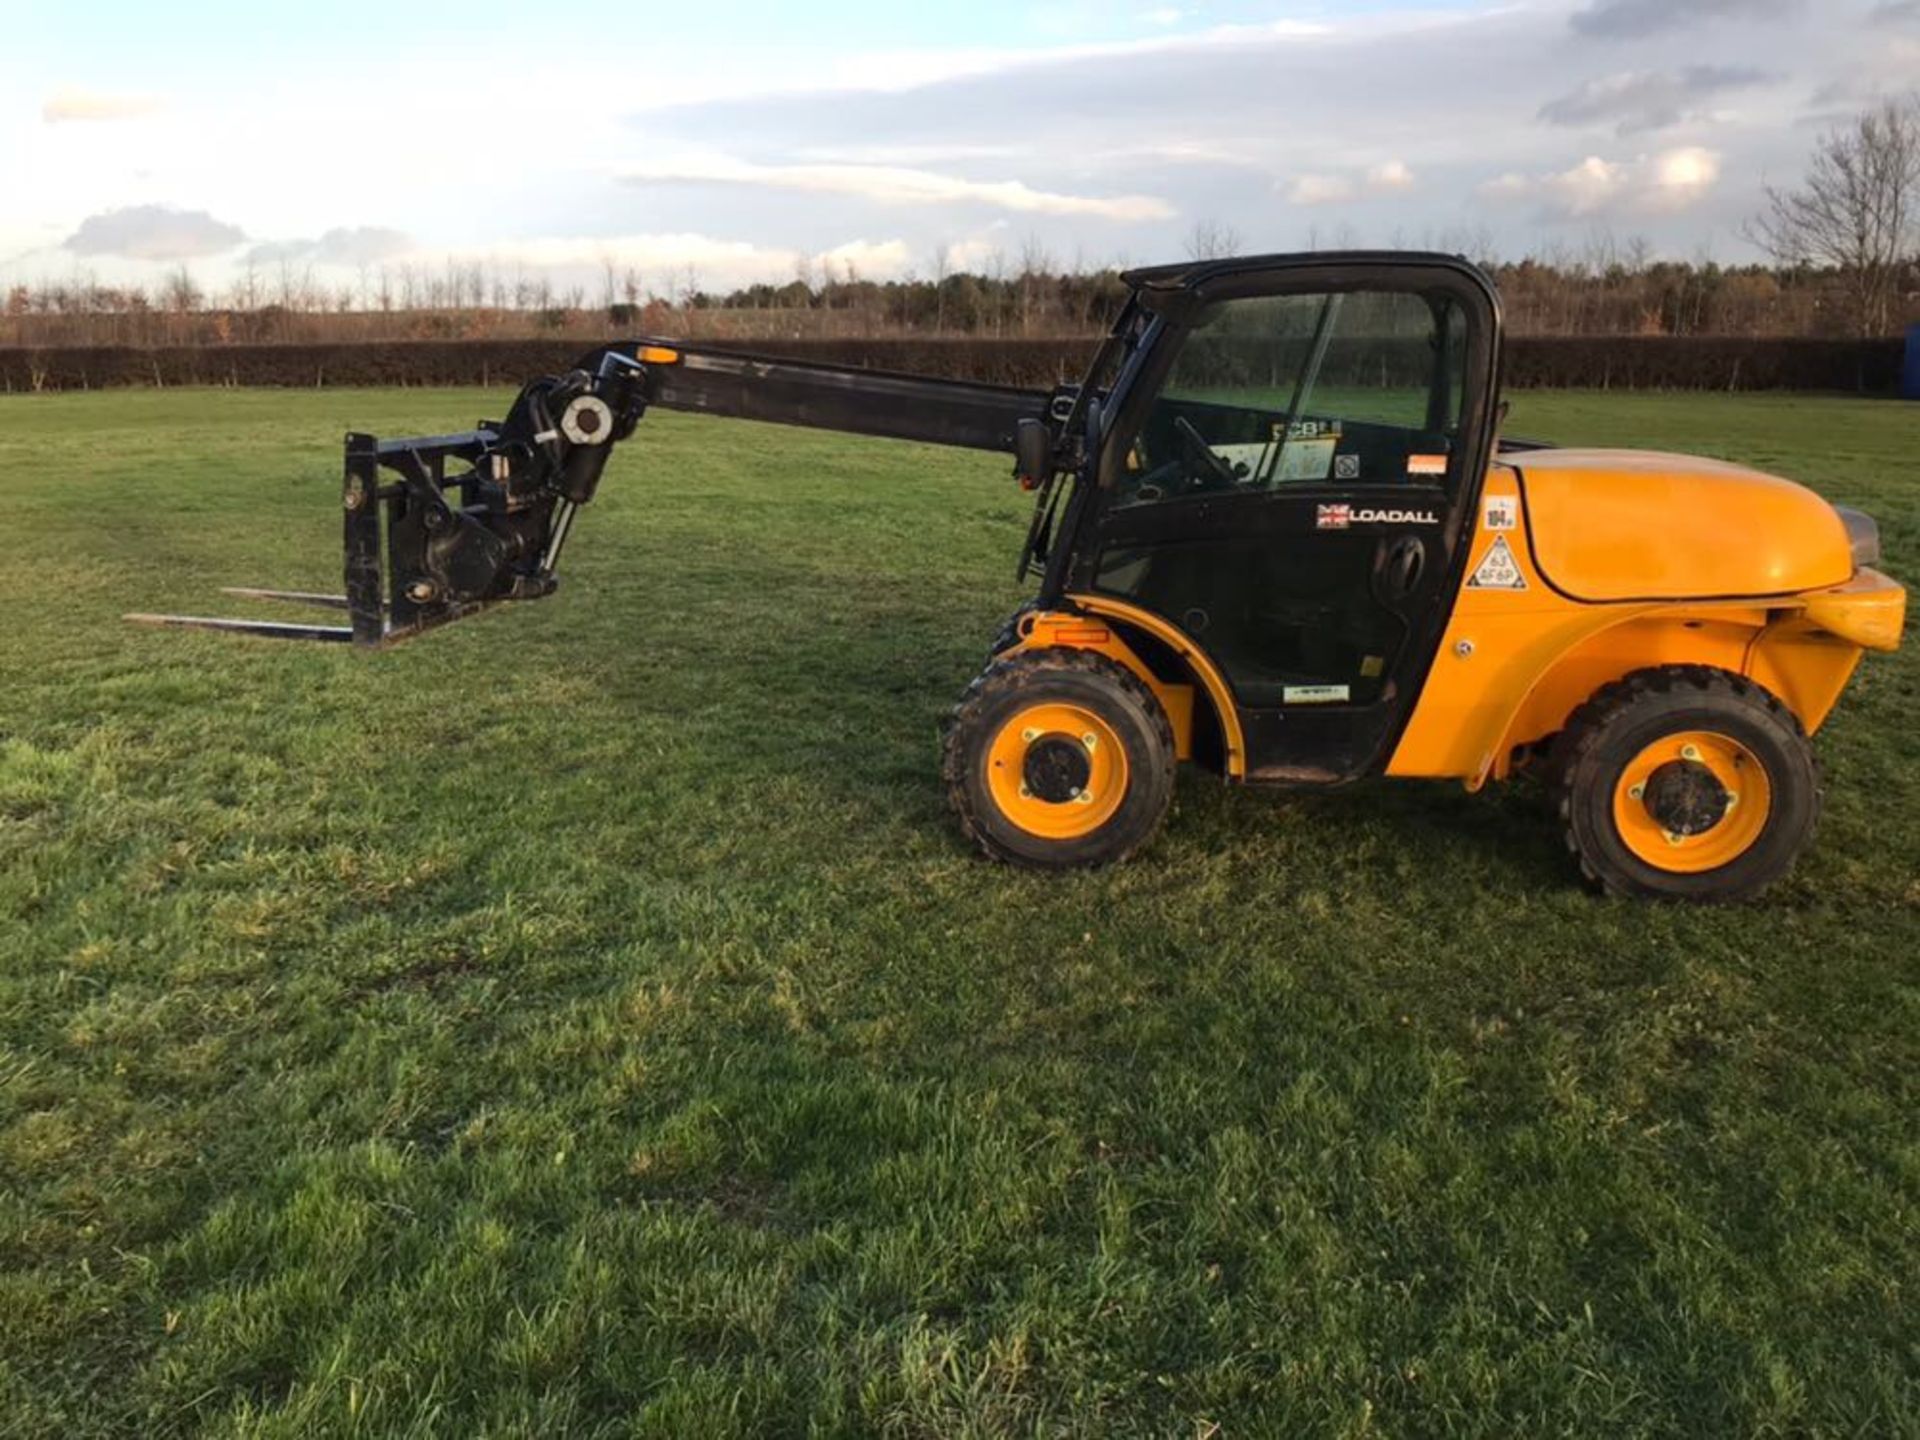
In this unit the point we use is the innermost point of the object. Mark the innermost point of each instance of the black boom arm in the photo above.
(442, 526)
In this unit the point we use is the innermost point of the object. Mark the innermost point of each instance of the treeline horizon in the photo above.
(1607, 291)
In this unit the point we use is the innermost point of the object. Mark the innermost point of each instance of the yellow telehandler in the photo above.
(1278, 535)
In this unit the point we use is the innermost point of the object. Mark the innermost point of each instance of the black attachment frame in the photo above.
(440, 527)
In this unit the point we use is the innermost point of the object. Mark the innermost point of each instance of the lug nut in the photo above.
(1638, 792)
(1689, 752)
(1085, 797)
(1673, 839)
(1029, 736)
(1090, 741)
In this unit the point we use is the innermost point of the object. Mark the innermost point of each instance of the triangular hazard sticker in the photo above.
(1499, 571)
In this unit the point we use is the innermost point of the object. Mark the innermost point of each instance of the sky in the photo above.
(727, 143)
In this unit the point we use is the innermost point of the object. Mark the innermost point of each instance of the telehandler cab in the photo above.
(1276, 534)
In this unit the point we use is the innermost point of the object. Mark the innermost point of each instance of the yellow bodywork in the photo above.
(1614, 562)
(1614, 593)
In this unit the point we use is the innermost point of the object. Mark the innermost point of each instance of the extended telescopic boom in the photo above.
(440, 527)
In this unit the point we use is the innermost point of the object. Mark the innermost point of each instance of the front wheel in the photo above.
(1058, 758)
(1686, 783)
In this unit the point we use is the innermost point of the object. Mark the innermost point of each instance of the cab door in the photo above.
(1286, 479)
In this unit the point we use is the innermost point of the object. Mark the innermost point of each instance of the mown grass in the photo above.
(586, 1019)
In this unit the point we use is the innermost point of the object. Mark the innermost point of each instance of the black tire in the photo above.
(1622, 719)
(1080, 678)
(1009, 635)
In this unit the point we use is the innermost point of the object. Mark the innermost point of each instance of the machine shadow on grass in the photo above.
(861, 722)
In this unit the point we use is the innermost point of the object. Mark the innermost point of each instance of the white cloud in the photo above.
(346, 245)
(870, 261)
(1685, 173)
(1390, 175)
(898, 185)
(1588, 187)
(976, 256)
(65, 106)
(1381, 179)
(666, 258)
(1320, 190)
(911, 156)
(1165, 15)
(1660, 184)
(1505, 187)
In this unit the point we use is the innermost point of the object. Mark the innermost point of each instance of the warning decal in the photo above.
(1499, 570)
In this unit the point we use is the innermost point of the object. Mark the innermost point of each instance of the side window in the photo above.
(1272, 392)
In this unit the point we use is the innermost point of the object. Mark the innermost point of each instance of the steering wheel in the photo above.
(1210, 459)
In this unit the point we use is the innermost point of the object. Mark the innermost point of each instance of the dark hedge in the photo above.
(1629, 363)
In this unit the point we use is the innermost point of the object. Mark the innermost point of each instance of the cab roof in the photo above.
(1188, 274)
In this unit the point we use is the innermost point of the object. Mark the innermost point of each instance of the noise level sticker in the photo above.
(1499, 570)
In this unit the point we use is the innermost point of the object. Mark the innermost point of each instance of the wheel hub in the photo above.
(1686, 798)
(1056, 769)
(1692, 801)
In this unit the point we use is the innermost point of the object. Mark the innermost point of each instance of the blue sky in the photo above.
(731, 142)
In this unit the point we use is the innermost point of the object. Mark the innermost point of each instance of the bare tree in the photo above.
(1212, 240)
(942, 267)
(248, 291)
(1036, 272)
(182, 296)
(1858, 210)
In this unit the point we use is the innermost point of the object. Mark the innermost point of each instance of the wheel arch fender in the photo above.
(1805, 667)
(1197, 695)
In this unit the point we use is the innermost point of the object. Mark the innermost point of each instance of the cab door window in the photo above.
(1277, 392)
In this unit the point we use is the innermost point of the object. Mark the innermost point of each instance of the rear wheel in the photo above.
(1058, 758)
(1686, 783)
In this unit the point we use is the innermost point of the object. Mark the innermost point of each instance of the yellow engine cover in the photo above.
(1609, 525)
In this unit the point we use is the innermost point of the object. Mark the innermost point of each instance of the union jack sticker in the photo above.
(1334, 517)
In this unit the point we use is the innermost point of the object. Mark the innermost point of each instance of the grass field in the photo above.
(587, 1019)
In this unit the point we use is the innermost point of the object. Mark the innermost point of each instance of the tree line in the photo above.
(1843, 248)
(1556, 294)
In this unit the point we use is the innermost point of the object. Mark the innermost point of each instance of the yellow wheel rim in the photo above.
(1057, 771)
(1728, 783)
